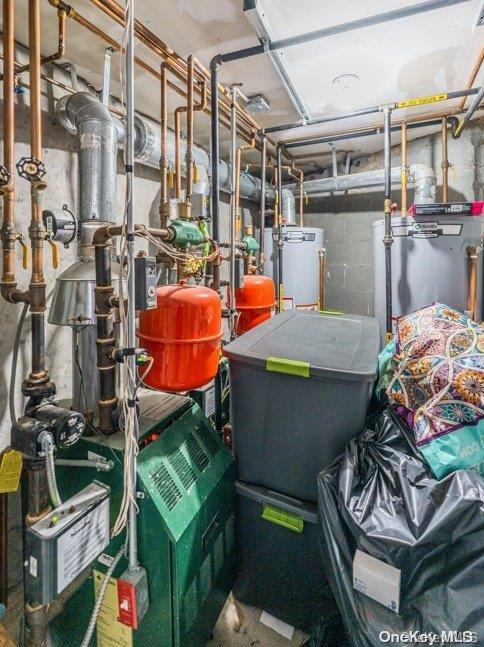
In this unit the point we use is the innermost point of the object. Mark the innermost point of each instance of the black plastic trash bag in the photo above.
(381, 498)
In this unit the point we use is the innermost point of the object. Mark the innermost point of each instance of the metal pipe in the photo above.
(351, 25)
(3, 550)
(388, 238)
(61, 40)
(420, 175)
(131, 312)
(262, 222)
(233, 209)
(473, 75)
(189, 147)
(8, 234)
(445, 162)
(403, 206)
(215, 158)
(280, 241)
(472, 253)
(240, 149)
(97, 150)
(322, 270)
(164, 208)
(476, 102)
(420, 122)
(109, 51)
(177, 117)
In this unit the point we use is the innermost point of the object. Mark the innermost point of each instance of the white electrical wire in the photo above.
(100, 598)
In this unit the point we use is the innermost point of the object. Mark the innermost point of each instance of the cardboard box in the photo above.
(377, 580)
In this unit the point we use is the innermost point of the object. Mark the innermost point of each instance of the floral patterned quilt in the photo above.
(438, 382)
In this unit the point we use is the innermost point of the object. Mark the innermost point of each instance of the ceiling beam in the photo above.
(258, 20)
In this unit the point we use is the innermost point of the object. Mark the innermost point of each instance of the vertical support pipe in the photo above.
(131, 314)
(403, 206)
(445, 162)
(215, 154)
(388, 238)
(280, 242)
(262, 223)
(164, 210)
(472, 254)
(322, 270)
(189, 147)
(233, 206)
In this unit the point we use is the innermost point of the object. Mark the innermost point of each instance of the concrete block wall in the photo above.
(347, 219)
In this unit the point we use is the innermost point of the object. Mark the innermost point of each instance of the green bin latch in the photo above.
(288, 366)
(286, 519)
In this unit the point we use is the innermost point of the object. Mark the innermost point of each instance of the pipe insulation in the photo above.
(99, 134)
(420, 175)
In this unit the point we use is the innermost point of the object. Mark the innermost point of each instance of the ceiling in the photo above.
(419, 55)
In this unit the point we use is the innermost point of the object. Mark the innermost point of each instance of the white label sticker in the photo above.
(81, 544)
(105, 559)
(210, 402)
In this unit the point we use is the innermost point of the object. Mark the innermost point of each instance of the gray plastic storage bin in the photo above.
(300, 386)
(280, 558)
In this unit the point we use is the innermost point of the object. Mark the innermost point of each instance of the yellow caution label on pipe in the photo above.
(421, 101)
(10, 471)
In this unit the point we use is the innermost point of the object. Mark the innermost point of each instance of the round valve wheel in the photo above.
(31, 169)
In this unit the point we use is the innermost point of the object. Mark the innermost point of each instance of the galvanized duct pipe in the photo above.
(420, 175)
(97, 136)
(147, 151)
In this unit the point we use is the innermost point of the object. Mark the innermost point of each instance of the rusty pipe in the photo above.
(472, 253)
(445, 162)
(240, 149)
(404, 174)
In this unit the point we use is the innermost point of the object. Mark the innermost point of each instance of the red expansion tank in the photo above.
(254, 301)
(183, 336)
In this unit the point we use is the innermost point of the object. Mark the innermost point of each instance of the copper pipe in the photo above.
(164, 136)
(322, 269)
(189, 146)
(473, 75)
(9, 235)
(177, 115)
(403, 206)
(245, 147)
(445, 162)
(178, 65)
(61, 38)
(472, 252)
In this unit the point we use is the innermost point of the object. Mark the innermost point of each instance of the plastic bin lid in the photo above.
(312, 344)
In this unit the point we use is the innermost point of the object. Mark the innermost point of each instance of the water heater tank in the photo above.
(429, 263)
(300, 263)
(183, 336)
(254, 302)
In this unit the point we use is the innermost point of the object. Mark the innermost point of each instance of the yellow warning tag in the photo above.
(10, 471)
(110, 632)
(422, 101)
(389, 337)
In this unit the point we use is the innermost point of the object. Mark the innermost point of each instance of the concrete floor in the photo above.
(227, 633)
